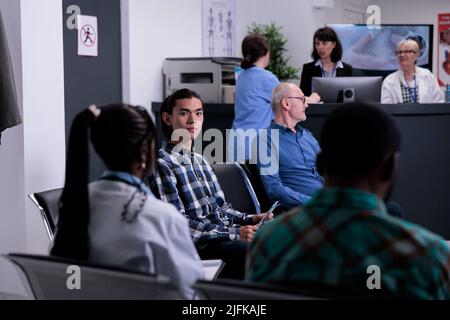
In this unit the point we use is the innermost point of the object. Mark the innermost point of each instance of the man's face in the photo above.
(187, 114)
(298, 105)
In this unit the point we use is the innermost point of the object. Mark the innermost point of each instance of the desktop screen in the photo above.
(348, 89)
(372, 51)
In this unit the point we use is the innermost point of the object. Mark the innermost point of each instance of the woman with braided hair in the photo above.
(117, 220)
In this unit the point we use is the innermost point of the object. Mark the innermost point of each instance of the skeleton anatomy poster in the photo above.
(219, 28)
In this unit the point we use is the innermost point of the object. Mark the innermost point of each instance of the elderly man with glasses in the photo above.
(290, 176)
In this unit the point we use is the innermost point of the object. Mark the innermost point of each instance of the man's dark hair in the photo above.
(355, 140)
(170, 102)
(327, 34)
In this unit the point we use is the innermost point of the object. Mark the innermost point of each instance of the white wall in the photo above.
(415, 12)
(155, 30)
(12, 212)
(32, 155)
(298, 20)
(43, 107)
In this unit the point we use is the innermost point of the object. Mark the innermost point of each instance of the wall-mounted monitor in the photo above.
(348, 89)
(371, 52)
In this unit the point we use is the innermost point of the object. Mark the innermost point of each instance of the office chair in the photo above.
(48, 205)
(49, 278)
(230, 289)
(252, 172)
(237, 187)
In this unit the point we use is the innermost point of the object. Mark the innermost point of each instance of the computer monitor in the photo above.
(348, 89)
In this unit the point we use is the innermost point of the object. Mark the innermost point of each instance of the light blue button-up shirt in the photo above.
(297, 177)
(252, 109)
(332, 73)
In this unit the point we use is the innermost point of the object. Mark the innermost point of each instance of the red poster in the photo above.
(444, 48)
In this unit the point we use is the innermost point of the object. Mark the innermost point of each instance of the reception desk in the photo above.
(422, 187)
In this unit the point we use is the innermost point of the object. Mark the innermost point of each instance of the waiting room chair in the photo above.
(252, 172)
(48, 205)
(47, 278)
(240, 290)
(237, 187)
(230, 289)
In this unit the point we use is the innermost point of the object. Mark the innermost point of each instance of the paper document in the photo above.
(212, 268)
(273, 207)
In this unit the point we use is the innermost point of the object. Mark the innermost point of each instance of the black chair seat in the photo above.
(237, 187)
(46, 278)
(48, 204)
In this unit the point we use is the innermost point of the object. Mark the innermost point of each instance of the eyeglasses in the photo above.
(302, 99)
(399, 53)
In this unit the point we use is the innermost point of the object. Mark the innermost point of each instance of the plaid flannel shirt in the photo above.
(187, 181)
(409, 93)
(333, 240)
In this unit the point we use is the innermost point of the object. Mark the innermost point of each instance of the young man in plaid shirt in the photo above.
(344, 231)
(186, 180)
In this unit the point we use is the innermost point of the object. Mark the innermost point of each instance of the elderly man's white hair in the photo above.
(283, 90)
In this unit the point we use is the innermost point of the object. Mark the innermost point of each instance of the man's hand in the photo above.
(313, 98)
(247, 232)
(258, 217)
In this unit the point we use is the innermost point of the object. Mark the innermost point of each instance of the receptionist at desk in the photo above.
(410, 84)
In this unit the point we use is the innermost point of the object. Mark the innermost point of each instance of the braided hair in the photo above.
(117, 132)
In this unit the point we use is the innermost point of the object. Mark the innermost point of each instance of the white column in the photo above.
(32, 155)
(12, 212)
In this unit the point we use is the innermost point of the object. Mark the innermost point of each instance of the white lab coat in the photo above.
(429, 90)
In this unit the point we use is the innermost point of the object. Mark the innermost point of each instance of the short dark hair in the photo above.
(254, 46)
(170, 102)
(327, 34)
(355, 139)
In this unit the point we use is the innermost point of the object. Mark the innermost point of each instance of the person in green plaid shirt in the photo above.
(337, 239)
